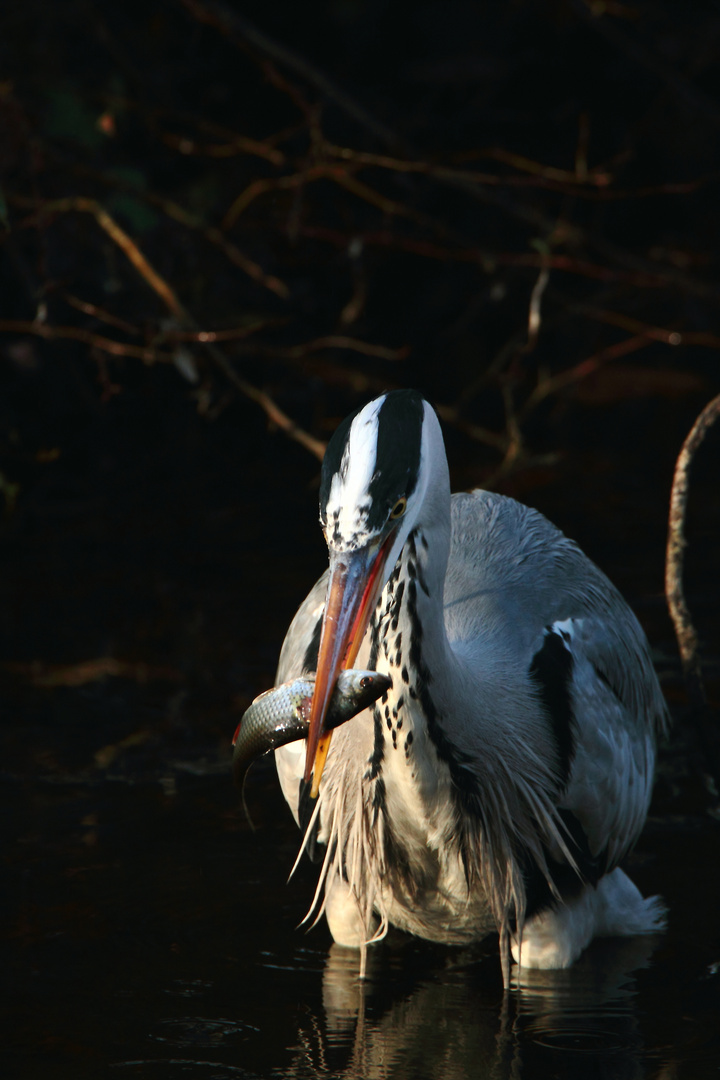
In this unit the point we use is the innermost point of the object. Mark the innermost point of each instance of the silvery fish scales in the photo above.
(280, 716)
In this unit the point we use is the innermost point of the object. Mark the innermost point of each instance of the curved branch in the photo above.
(675, 556)
(702, 716)
(174, 305)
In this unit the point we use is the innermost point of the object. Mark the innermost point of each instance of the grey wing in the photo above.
(298, 656)
(618, 712)
(529, 594)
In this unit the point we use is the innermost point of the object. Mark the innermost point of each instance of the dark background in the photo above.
(410, 174)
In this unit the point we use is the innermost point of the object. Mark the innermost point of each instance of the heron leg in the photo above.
(342, 911)
(614, 907)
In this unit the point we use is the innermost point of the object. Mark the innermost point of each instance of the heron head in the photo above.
(374, 481)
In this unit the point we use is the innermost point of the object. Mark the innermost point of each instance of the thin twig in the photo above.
(577, 237)
(332, 341)
(488, 260)
(237, 145)
(534, 311)
(451, 415)
(242, 31)
(273, 411)
(87, 671)
(597, 177)
(655, 333)
(359, 383)
(281, 183)
(233, 142)
(217, 237)
(594, 186)
(101, 314)
(202, 337)
(76, 333)
(176, 309)
(177, 213)
(540, 175)
(553, 384)
(118, 235)
(340, 175)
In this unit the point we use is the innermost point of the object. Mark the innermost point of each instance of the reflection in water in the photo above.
(452, 1023)
(194, 1031)
(167, 948)
(584, 1021)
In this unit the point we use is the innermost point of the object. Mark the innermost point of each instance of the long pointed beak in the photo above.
(356, 581)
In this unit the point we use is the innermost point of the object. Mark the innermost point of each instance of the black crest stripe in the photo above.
(400, 420)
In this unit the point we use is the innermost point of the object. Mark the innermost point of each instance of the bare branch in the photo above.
(702, 716)
(167, 294)
(497, 440)
(488, 260)
(553, 384)
(101, 314)
(534, 312)
(88, 671)
(241, 30)
(177, 213)
(118, 235)
(332, 341)
(675, 557)
(76, 333)
(271, 409)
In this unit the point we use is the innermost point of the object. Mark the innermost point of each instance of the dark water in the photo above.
(148, 931)
(152, 934)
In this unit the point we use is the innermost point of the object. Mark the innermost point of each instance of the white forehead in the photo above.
(349, 499)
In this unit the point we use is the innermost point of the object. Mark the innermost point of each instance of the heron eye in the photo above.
(399, 508)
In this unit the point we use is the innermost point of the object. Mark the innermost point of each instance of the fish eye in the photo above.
(399, 508)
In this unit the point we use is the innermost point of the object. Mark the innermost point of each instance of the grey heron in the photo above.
(501, 779)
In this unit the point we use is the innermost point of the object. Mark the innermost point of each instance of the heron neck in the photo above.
(412, 602)
(424, 565)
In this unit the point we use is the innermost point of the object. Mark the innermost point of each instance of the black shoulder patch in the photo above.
(311, 653)
(551, 671)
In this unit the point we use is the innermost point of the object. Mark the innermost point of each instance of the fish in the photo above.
(281, 715)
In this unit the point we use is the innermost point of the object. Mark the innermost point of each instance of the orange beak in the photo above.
(356, 581)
